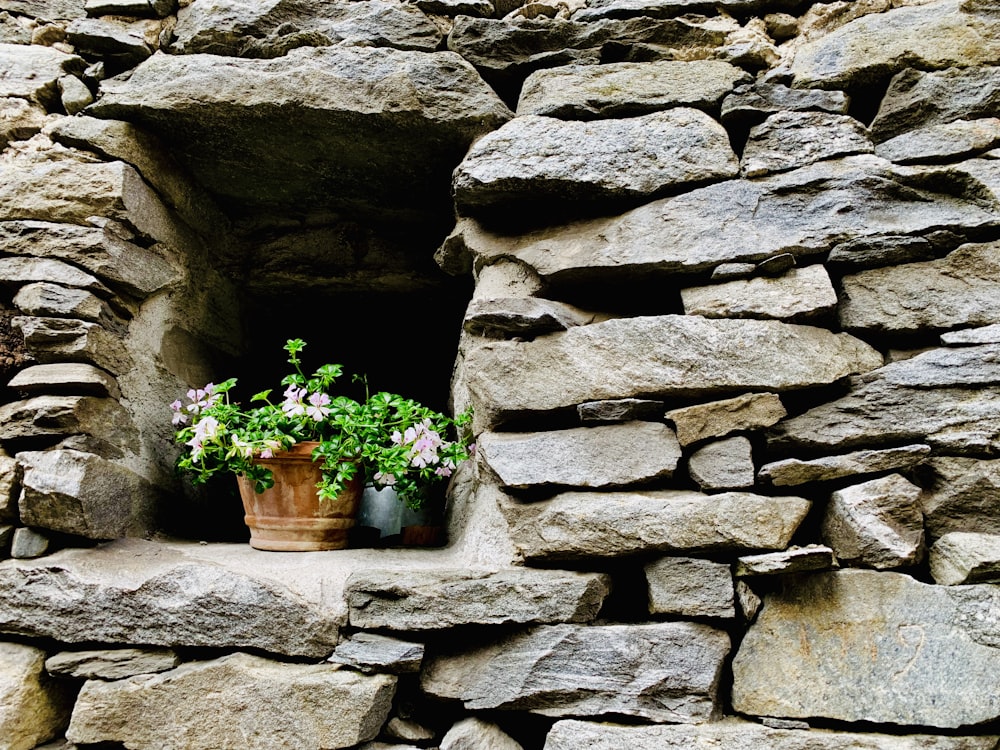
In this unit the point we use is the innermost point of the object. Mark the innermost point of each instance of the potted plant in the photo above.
(302, 462)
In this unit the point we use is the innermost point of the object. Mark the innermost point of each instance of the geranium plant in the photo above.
(395, 441)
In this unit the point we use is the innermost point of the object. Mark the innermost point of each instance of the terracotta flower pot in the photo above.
(290, 517)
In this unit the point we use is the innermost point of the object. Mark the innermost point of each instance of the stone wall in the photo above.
(733, 350)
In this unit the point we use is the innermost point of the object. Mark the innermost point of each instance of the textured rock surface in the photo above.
(70, 376)
(962, 494)
(877, 524)
(962, 288)
(794, 560)
(690, 587)
(33, 708)
(798, 295)
(364, 114)
(578, 524)
(33, 72)
(584, 92)
(965, 557)
(476, 734)
(370, 652)
(719, 418)
(597, 457)
(794, 471)
(565, 163)
(787, 140)
(588, 671)
(924, 649)
(441, 599)
(678, 355)
(723, 464)
(753, 103)
(256, 703)
(111, 664)
(800, 212)
(102, 418)
(80, 493)
(522, 316)
(735, 734)
(946, 142)
(620, 410)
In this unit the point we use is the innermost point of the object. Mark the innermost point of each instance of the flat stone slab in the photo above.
(620, 410)
(111, 664)
(736, 734)
(965, 557)
(961, 289)
(522, 316)
(795, 471)
(690, 587)
(256, 704)
(66, 376)
(363, 106)
(597, 457)
(869, 646)
(794, 560)
(678, 355)
(576, 525)
(936, 35)
(734, 221)
(371, 652)
(585, 92)
(719, 418)
(562, 164)
(799, 295)
(788, 140)
(946, 142)
(980, 335)
(431, 600)
(660, 672)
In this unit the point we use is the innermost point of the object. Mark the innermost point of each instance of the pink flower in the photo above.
(317, 408)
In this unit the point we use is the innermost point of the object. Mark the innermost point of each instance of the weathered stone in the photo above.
(410, 731)
(473, 733)
(522, 316)
(6, 537)
(79, 493)
(794, 471)
(750, 411)
(876, 524)
(136, 8)
(32, 72)
(134, 269)
(371, 652)
(729, 271)
(27, 543)
(430, 600)
(961, 494)
(74, 94)
(690, 587)
(982, 335)
(257, 704)
(798, 212)
(480, 8)
(748, 105)
(749, 603)
(50, 10)
(364, 106)
(605, 456)
(52, 340)
(943, 397)
(662, 672)
(33, 708)
(793, 560)
(919, 99)
(584, 92)
(114, 139)
(586, 524)
(249, 28)
(25, 270)
(111, 664)
(962, 288)
(102, 418)
(874, 252)
(680, 355)
(19, 119)
(119, 45)
(788, 140)
(597, 9)
(737, 734)
(15, 29)
(44, 299)
(947, 142)
(561, 163)
(776, 265)
(133, 591)
(620, 410)
(960, 557)
(927, 651)
(800, 294)
(940, 34)
(10, 486)
(723, 465)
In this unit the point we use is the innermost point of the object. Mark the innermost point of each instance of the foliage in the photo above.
(395, 441)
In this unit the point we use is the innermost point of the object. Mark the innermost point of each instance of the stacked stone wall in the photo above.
(733, 349)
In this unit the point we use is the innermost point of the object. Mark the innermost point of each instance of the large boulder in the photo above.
(256, 704)
(876, 647)
(659, 672)
(358, 111)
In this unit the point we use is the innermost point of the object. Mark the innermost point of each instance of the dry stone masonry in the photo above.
(730, 274)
